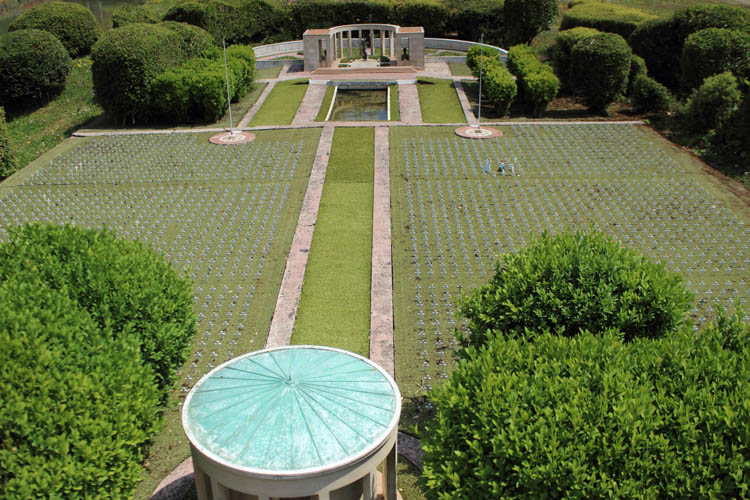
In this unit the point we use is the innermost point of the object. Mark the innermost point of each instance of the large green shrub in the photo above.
(599, 68)
(7, 159)
(195, 41)
(125, 286)
(304, 14)
(125, 62)
(78, 405)
(430, 14)
(607, 17)
(573, 282)
(713, 103)
(501, 87)
(242, 61)
(129, 14)
(524, 19)
(73, 24)
(219, 18)
(715, 50)
(33, 68)
(262, 21)
(637, 69)
(648, 95)
(537, 82)
(560, 52)
(473, 18)
(660, 42)
(473, 54)
(591, 417)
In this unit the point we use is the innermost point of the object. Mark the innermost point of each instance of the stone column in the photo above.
(372, 42)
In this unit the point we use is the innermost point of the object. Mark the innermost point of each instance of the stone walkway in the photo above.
(464, 100)
(308, 108)
(408, 104)
(282, 324)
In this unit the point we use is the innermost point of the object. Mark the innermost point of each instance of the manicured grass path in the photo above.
(439, 101)
(334, 308)
(281, 104)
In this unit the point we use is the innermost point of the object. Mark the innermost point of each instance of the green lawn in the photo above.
(460, 69)
(35, 133)
(334, 308)
(439, 101)
(267, 73)
(281, 104)
(327, 98)
(395, 111)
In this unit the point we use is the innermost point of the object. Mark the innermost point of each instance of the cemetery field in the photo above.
(452, 217)
(223, 214)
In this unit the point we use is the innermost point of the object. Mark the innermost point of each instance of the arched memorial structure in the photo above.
(404, 46)
(293, 422)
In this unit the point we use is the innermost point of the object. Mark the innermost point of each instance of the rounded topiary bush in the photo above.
(33, 68)
(125, 62)
(572, 282)
(599, 68)
(221, 19)
(477, 51)
(524, 19)
(712, 104)
(648, 95)
(129, 14)
(7, 159)
(78, 405)
(591, 417)
(560, 51)
(125, 286)
(715, 50)
(195, 41)
(73, 24)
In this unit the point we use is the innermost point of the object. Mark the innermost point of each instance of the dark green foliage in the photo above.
(715, 50)
(500, 87)
(262, 21)
(637, 68)
(588, 417)
(73, 24)
(730, 141)
(430, 14)
(648, 95)
(524, 19)
(472, 57)
(125, 286)
(474, 18)
(33, 68)
(219, 18)
(560, 51)
(304, 14)
(607, 17)
(125, 62)
(78, 403)
(599, 68)
(713, 103)
(242, 61)
(660, 42)
(537, 83)
(573, 282)
(194, 40)
(129, 14)
(7, 159)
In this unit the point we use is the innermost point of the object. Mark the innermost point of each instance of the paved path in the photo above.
(255, 107)
(381, 293)
(280, 333)
(408, 104)
(308, 108)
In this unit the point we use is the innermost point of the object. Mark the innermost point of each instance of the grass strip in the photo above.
(323, 111)
(33, 134)
(282, 103)
(267, 73)
(334, 308)
(395, 112)
(439, 101)
(459, 69)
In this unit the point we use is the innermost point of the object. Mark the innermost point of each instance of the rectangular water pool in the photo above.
(357, 105)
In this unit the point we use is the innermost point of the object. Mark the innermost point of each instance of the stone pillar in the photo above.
(372, 42)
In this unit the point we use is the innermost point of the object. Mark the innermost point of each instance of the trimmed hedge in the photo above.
(73, 24)
(536, 81)
(589, 417)
(129, 14)
(79, 406)
(474, 18)
(712, 104)
(648, 95)
(715, 50)
(501, 87)
(599, 68)
(660, 42)
(306, 14)
(219, 18)
(524, 19)
(472, 57)
(126, 60)
(560, 51)
(637, 69)
(573, 282)
(606, 17)
(430, 14)
(194, 40)
(7, 159)
(33, 68)
(124, 286)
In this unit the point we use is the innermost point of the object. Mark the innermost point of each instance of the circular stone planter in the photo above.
(473, 132)
(233, 137)
(300, 421)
